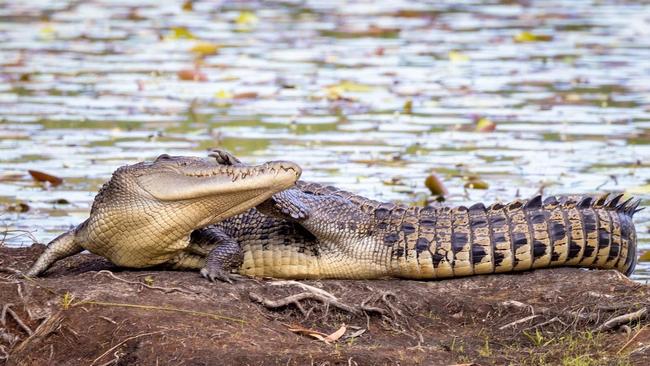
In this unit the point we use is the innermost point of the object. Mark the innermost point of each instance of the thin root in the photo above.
(6, 309)
(163, 289)
(516, 322)
(122, 342)
(306, 287)
(295, 300)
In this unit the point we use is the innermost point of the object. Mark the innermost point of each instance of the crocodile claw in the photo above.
(215, 275)
(224, 157)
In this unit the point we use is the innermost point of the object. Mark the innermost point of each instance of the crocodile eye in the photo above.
(163, 157)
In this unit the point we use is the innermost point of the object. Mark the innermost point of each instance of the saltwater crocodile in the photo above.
(315, 231)
(144, 215)
(160, 213)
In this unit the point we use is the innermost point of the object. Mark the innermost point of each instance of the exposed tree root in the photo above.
(580, 315)
(295, 300)
(6, 309)
(388, 311)
(163, 289)
(304, 286)
(519, 321)
(51, 324)
(622, 319)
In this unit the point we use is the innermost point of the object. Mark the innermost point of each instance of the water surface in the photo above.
(369, 96)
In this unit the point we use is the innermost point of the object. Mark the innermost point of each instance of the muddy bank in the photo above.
(88, 312)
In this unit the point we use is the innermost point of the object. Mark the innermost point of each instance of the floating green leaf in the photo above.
(526, 36)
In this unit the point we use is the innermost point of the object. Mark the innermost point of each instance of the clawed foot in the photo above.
(223, 157)
(215, 275)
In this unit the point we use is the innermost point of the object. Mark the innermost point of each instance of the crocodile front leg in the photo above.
(225, 256)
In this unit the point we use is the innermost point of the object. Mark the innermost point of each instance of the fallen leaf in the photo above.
(336, 91)
(371, 31)
(476, 184)
(246, 18)
(336, 335)
(350, 86)
(44, 177)
(11, 176)
(191, 75)
(223, 94)
(134, 15)
(526, 36)
(435, 185)
(205, 48)
(18, 207)
(459, 57)
(187, 5)
(572, 98)
(245, 95)
(148, 280)
(645, 257)
(47, 32)
(393, 181)
(308, 332)
(408, 107)
(180, 33)
(485, 125)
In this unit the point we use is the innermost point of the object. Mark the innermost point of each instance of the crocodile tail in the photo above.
(522, 235)
(558, 231)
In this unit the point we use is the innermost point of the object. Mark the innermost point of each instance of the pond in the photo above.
(370, 96)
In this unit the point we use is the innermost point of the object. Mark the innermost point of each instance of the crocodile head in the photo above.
(146, 212)
(202, 191)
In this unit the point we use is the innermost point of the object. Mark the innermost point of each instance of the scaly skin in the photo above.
(145, 214)
(315, 231)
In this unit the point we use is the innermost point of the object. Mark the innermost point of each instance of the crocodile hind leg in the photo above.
(225, 255)
(62, 246)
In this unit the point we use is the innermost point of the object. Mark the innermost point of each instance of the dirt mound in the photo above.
(86, 311)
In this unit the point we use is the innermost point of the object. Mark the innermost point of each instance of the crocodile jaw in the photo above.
(179, 182)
